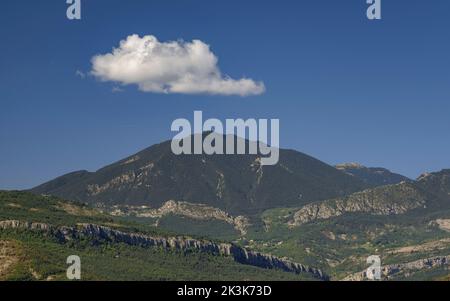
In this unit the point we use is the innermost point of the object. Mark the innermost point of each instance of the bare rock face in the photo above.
(101, 233)
(186, 209)
(384, 200)
(443, 224)
(13, 224)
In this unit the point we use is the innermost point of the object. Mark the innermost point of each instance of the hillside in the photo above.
(406, 224)
(37, 233)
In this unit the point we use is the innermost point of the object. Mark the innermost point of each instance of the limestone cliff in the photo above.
(186, 209)
(96, 232)
(384, 200)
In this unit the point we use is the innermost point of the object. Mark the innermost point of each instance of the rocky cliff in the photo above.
(189, 210)
(384, 200)
(96, 232)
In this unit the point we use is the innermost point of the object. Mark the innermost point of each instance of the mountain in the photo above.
(238, 184)
(438, 183)
(373, 176)
(406, 224)
(384, 200)
(430, 192)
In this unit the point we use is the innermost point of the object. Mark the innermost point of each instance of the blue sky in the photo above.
(345, 89)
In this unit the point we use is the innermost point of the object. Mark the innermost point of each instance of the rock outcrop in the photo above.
(101, 233)
(189, 210)
(384, 200)
(443, 224)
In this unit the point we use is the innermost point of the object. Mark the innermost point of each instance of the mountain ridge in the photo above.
(238, 184)
(430, 192)
(373, 176)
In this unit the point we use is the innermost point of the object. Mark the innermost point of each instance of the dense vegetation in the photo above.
(42, 257)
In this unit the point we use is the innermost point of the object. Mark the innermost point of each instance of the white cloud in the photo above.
(169, 67)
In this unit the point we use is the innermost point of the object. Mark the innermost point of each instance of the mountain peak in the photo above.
(234, 183)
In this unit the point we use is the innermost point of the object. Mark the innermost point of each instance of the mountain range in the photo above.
(301, 216)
